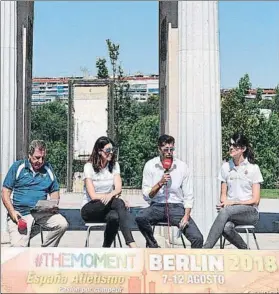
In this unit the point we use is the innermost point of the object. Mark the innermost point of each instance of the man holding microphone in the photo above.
(167, 187)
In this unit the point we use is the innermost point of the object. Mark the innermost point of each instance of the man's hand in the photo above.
(165, 178)
(106, 199)
(54, 209)
(184, 222)
(15, 216)
(226, 203)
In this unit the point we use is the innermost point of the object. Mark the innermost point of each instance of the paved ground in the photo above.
(77, 238)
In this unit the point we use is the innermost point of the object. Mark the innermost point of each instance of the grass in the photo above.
(270, 193)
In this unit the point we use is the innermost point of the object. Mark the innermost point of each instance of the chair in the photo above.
(90, 226)
(164, 224)
(248, 229)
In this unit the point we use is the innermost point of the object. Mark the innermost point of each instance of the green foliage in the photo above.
(245, 115)
(276, 101)
(49, 123)
(134, 126)
(267, 150)
(140, 146)
(57, 157)
(270, 193)
(102, 68)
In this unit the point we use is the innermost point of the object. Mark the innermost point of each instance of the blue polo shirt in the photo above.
(28, 186)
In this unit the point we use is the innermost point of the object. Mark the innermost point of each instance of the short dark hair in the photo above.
(39, 144)
(165, 139)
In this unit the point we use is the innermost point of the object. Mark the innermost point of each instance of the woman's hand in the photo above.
(106, 199)
(127, 204)
(226, 203)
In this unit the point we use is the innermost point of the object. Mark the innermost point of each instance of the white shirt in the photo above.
(102, 181)
(179, 189)
(240, 179)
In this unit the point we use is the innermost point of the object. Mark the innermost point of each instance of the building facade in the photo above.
(141, 87)
(48, 89)
(267, 94)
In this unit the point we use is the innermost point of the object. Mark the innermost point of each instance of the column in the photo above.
(199, 127)
(16, 86)
(8, 93)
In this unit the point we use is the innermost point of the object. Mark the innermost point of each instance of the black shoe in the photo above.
(153, 246)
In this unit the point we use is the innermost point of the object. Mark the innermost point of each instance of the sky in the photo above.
(71, 35)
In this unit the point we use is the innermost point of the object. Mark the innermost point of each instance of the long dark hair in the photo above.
(95, 157)
(242, 141)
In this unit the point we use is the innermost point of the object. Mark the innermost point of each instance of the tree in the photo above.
(243, 86)
(276, 101)
(132, 125)
(240, 114)
(259, 94)
(49, 123)
(151, 106)
(57, 156)
(267, 150)
(113, 51)
(119, 106)
(140, 146)
(102, 68)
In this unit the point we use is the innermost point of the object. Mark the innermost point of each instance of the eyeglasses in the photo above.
(235, 146)
(110, 150)
(166, 150)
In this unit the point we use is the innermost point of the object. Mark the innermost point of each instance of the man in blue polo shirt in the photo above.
(31, 180)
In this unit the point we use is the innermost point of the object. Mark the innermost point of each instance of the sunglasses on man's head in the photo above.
(110, 150)
(165, 150)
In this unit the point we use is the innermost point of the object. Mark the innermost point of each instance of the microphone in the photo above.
(167, 163)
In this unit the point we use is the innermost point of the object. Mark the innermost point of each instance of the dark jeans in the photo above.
(115, 214)
(228, 217)
(156, 212)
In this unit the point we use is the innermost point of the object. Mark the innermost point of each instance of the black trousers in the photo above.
(115, 214)
(156, 212)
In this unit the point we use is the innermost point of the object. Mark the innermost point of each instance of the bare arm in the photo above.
(91, 190)
(148, 190)
(55, 196)
(6, 198)
(223, 195)
(155, 189)
(187, 212)
(117, 186)
(97, 196)
(256, 194)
